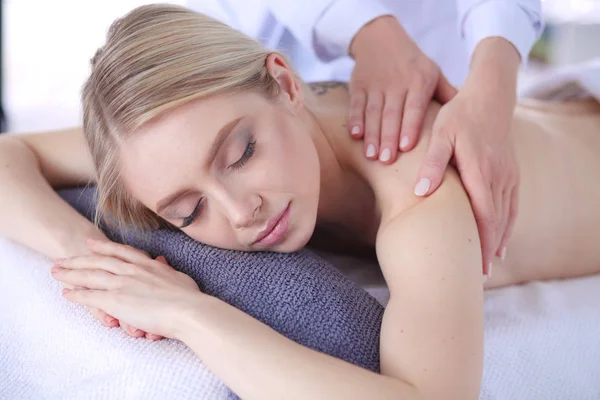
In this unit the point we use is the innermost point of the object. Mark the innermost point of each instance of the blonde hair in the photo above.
(158, 57)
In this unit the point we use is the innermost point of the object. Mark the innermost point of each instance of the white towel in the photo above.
(569, 82)
(52, 349)
(542, 342)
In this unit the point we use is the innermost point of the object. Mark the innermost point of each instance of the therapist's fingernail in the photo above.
(422, 186)
(403, 142)
(355, 130)
(385, 155)
(503, 253)
(371, 151)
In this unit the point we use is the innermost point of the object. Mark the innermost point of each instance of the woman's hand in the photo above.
(391, 87)
(80, 247)
(475, 127)
(129, 285)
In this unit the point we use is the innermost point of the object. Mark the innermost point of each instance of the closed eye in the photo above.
(187, 221)
(248, 152)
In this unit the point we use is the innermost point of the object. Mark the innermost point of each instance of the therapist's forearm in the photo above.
(31, 211)
(494, 70)
(258, 363)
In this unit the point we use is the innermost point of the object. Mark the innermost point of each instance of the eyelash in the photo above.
(246, 156)
(187, 221)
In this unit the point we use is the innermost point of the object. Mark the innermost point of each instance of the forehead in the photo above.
(159, 156)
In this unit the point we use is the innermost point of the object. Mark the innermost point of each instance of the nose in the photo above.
(242, 212)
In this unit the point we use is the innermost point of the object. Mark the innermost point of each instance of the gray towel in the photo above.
(299, 295)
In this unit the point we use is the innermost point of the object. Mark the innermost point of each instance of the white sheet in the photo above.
(542, 342)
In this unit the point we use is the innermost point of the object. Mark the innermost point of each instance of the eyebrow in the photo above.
(221, 137)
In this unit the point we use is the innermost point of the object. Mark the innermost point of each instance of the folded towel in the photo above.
(299, 295)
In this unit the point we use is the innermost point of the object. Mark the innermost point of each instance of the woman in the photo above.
(191, 124)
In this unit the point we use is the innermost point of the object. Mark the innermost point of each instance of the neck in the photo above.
(346, 201)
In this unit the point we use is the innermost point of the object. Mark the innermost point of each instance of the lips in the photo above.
(275, 229)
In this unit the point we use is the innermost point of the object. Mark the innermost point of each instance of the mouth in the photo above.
(275, 229)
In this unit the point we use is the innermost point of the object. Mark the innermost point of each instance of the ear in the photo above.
(289, 83)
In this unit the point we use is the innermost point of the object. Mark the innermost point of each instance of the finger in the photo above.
(87, 278)
(483, 208)
(434, 164)
(121, 251)
(153, 337)
(415, 109)
(502, 213)
(390, 127)
(356, 113)
(90, 298)
(373, 124)
(163, 260)
(444, 91)
(103, 317)
(512, 217)
(98, 262)
(132, 331)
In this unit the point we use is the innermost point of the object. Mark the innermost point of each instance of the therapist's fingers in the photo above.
(373, 124)
(356, 113)
(483, 207)
(390, 127)
(444, 91)
(415, 109)
(512, 216)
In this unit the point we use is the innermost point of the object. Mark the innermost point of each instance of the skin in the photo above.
(391, 87)
(428, 248)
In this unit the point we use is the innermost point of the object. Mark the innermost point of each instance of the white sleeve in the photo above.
(216, 9)
(326, 26)
(518, 21)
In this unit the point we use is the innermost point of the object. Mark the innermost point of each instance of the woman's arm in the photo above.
(432, 333)
(31, 166)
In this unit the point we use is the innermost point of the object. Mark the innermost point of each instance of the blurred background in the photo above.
(46, 47)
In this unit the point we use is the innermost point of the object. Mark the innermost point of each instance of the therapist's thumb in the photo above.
(434, 164)
(444, 91)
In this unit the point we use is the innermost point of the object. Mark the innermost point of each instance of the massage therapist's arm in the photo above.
(31, 165)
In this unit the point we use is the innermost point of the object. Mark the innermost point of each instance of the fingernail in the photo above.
(59, 261)
(370, 151)
(110, 320)
(55, 269)
(65, 291)
(503, 253)
(422, 186)
(355, 130)
(403, 142)
(385, 155)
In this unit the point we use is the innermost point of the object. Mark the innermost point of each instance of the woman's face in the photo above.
(238, 172)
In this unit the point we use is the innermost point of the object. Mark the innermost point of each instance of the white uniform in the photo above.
(316, 34)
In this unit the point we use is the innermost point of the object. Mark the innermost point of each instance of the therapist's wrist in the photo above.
(494, 71)
(377, 34)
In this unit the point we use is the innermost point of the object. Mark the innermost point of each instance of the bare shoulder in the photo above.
(393, 185)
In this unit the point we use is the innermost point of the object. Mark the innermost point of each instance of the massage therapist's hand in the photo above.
(391, 87)
(475, 127)
(128, 284)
